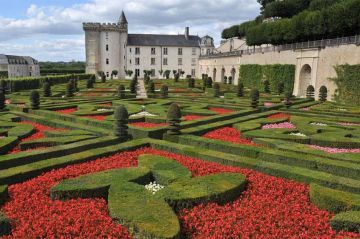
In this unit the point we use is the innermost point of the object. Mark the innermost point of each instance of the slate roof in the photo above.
(10, 59)
(122, 18)
(162, 40)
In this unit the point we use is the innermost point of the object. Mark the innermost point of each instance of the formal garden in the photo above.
(84, 157)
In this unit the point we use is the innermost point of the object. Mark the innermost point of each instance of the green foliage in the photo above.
(133, 85)
(90, 83)
(254, 97)
(323, 93)
(230, 80)
(103, 78)
(2, 101)
(164, 91)
(56, 68)
(121, 92)
(5, 227)
(174, 119)
(151, 87)
(176, 77)
(47, 89)
(287, 101)
(35, 99)
(310, 91)
(216, 90)
(252, 75)
(266, 86)
(3, 194)
(3, 86)
(346, 221)
(209, 82)
(280, 88)
(4, 74)
(69, 89)
(348, 84)
(286, 8)
(191, 82)
(167, 74)
(121, 117)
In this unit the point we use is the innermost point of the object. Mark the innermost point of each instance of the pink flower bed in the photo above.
(268, 104)
(348, 124)
(284, 125)
(305, 109)
(334, 150)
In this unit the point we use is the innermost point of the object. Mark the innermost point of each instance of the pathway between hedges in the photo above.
(141, 91)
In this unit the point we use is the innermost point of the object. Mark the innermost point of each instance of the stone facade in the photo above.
(109, 47)
(18, 66)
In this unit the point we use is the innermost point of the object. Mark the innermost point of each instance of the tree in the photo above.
(121, 92)
(164, 91)
(216, 90)
(147, 79)
(176, 77)
(167, 74)
(103, 78)
(254, 97)
(121, 117)
(129, 72)
(209, 82)
(69, 90)
(287, 101)
(35, 100)
(90, 83)
(310, 92)
(191, 82)
(323, 93)
(133, 84)
(225, 79)
(2, 100)
(47, 89)
(114, 73)
(3, 86)
(151, 88)
(240, 89)
(266, 86)
(174, 119)
(280, 88)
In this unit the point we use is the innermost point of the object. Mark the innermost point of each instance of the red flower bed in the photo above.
(39, 134)
(228, 134)
(147, 125)
(193, 117)
(95, 117)
(67, 111)
(221, 111)
(280, 116)
(270, 207)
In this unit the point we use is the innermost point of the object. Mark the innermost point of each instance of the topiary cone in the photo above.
(287, 101)
(2, 101)
(69, 90)
(151, 88)
(323, 93)
(121, 117)
(174, 118)
(35, 99)
(164, 91)
(121, 91)
(47, 89)
(216, 90)
(254, 96)
(240, 90)
(310, 90)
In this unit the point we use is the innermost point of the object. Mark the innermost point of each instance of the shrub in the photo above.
(216, 90)
(240, 90)
(103, 78)
(225, 79)
(2, 100)
(280, 88)
(151, 88)
(287, 101)
(174, 119)
(266, 86)
(90, 83)
(167, 74)
(346, 221)
(121, 91)
(133, 85)
(114, 73)
(164, 91)
(147, 78)
(323, 93)
(121, 117)
(76, 88)
(47, 89)
(35, 99)
(3, 86)
(69, 90)
(209, 82)
(230, 80)
(176, 77)
(310, 92)
(5, 226)
(254, 97)
(191, 82)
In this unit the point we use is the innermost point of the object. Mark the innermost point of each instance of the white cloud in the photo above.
(144, 16)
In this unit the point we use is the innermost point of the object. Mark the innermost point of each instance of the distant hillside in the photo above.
(290, 21)
(55, 68)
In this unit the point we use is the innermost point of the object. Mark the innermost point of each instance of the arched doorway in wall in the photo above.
(305, 79)
(214, 75)
(222, 75)
(233, 72)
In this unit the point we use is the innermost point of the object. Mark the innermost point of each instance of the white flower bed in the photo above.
(103, 109)
(141, 114)
(318, 124)
(298, 134)
(153, 187)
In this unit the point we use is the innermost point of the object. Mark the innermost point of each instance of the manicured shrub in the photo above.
(287, 101)
(191, 82)
(121, 91)
(280, 88)
(323, 93)
(216, 90)
(164, 91)
(47, 89)
(90, 83)
(3, 86)
(5, 226)
(2, 100)
(310, 91)
(103, 78)
(240, 90)
(346, 221)
(133, 85)
(167, 74)
(121, 117)
(230, 80)
(254, 97)
(69, 90)
(151, 87)
(225, 79)
(176, 77)
(209, 82)
(266, 86)
(76, 88)
(35, 99)
(174, 119)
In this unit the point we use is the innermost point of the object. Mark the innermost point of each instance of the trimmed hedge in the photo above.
(5, 227)
(346, 221)
(3, 194)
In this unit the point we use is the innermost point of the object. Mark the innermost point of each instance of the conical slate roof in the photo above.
(122, 19)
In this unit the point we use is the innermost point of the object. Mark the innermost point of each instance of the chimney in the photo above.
(187, 33)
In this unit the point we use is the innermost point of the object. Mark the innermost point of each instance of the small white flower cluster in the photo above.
(298, 134)
(341, 109)
(154, 187)
(318, 124)
(102, 109)
(143, 113)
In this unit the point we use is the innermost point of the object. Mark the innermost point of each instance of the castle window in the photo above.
(137, 61)
(193, 72)
(165, 51)
(180, 61)
(107, 74)
(208, 51)
(107, 36)
(107, 61)
(130, 49)
(130, 61)
(152, 61)
(165, 61)
(194, 51)
(137, 50)
(193, 62)
(107, 47)
(137, 72)
(153, 51)
(180, 51)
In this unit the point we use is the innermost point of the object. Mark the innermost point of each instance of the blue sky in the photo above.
(51, 30)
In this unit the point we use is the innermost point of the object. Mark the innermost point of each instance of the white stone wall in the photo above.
(110, 59)
(92, 44)
(145, 59)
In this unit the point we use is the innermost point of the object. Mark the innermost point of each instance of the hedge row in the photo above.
(346, 221)
(5, 227)
(348, 84)
(253, 75)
